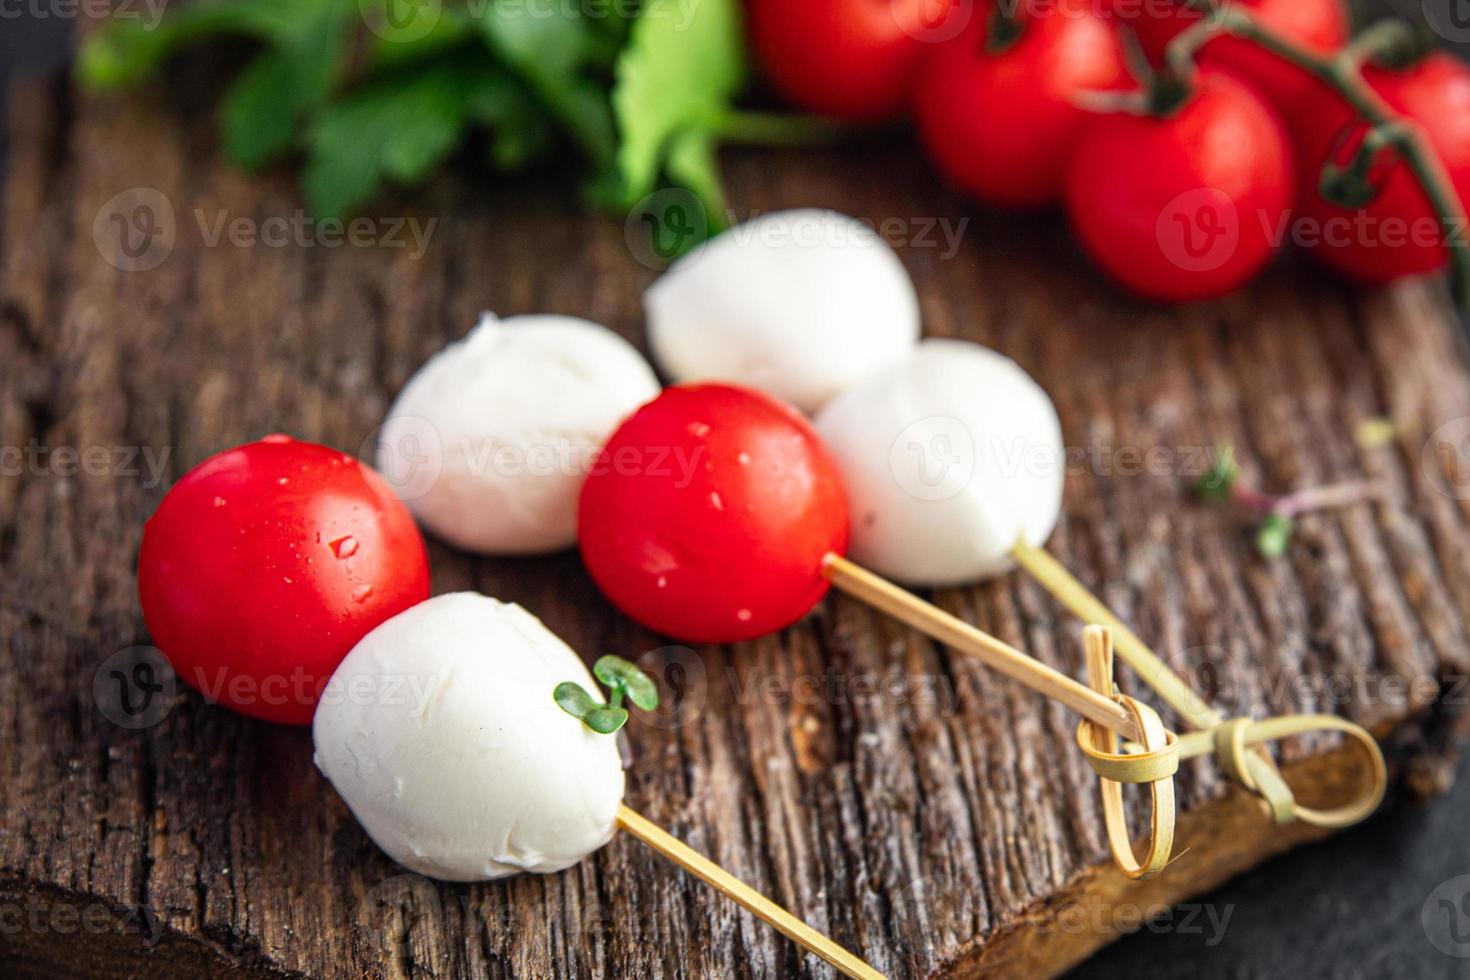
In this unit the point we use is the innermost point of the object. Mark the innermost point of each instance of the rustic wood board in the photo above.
(948, 826)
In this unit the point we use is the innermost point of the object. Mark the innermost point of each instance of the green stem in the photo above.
(1342, 74)
(1004, 29)
(776, 129)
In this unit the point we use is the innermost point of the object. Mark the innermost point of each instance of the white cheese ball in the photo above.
(948, 459)
(440, 732)
(799, 304)
(490, 441)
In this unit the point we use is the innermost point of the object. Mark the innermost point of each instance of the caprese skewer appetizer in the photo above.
(286, 581)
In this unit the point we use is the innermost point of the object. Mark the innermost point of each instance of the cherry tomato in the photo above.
(1321, 26)
(854, 59)
(267, 563)
(1001, 125)
(1187, 206)
(1398, 233)
(708, 514)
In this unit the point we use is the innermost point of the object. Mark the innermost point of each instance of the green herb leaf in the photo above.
(399, 127)
(606, 719)
(551, 50)
(1219, 480)
(260, 114)
(620, 674)
(682, 66)
(129, 49)
(572, 698)
(1274, 535)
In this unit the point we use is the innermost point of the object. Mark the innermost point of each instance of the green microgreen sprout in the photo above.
(1277, 512)
(624, 681)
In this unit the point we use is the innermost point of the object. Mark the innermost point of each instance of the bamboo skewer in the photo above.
(934, 622)
(748, 898)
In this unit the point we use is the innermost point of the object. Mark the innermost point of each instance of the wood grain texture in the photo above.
(930, 816)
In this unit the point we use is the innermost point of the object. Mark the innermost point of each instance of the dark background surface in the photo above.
(1352, 907)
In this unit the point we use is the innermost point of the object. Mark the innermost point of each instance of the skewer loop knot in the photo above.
(1153, 761)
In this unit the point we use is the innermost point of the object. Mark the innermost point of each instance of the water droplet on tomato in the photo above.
(219, 501)
(663, 582)
(743, 459)
(361, 593)
(743, 615)
(283, 480)
(699, 429)
(345, 546)
(715, 500)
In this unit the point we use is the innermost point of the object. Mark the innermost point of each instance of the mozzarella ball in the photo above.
(490, 440)
(799, 304)
(440, 732)
(948, 457)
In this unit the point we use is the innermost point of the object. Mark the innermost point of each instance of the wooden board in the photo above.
(944, 825)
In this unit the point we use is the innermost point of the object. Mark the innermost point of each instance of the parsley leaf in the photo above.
(673, 84)
(404, 124)
(551, 48)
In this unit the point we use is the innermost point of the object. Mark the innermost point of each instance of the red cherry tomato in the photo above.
(1001, 125)
(1321, 26)
(1187, 206)
(1398, 233)
(267, 563)
(854, 59)
(708, 514)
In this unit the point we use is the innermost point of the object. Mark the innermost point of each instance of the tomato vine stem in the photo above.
(1342, 72)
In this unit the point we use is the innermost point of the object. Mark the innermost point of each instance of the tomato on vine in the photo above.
(853, 59)
(998, 106)
(1319, 26)
(1187, 204)
(1398, 232)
